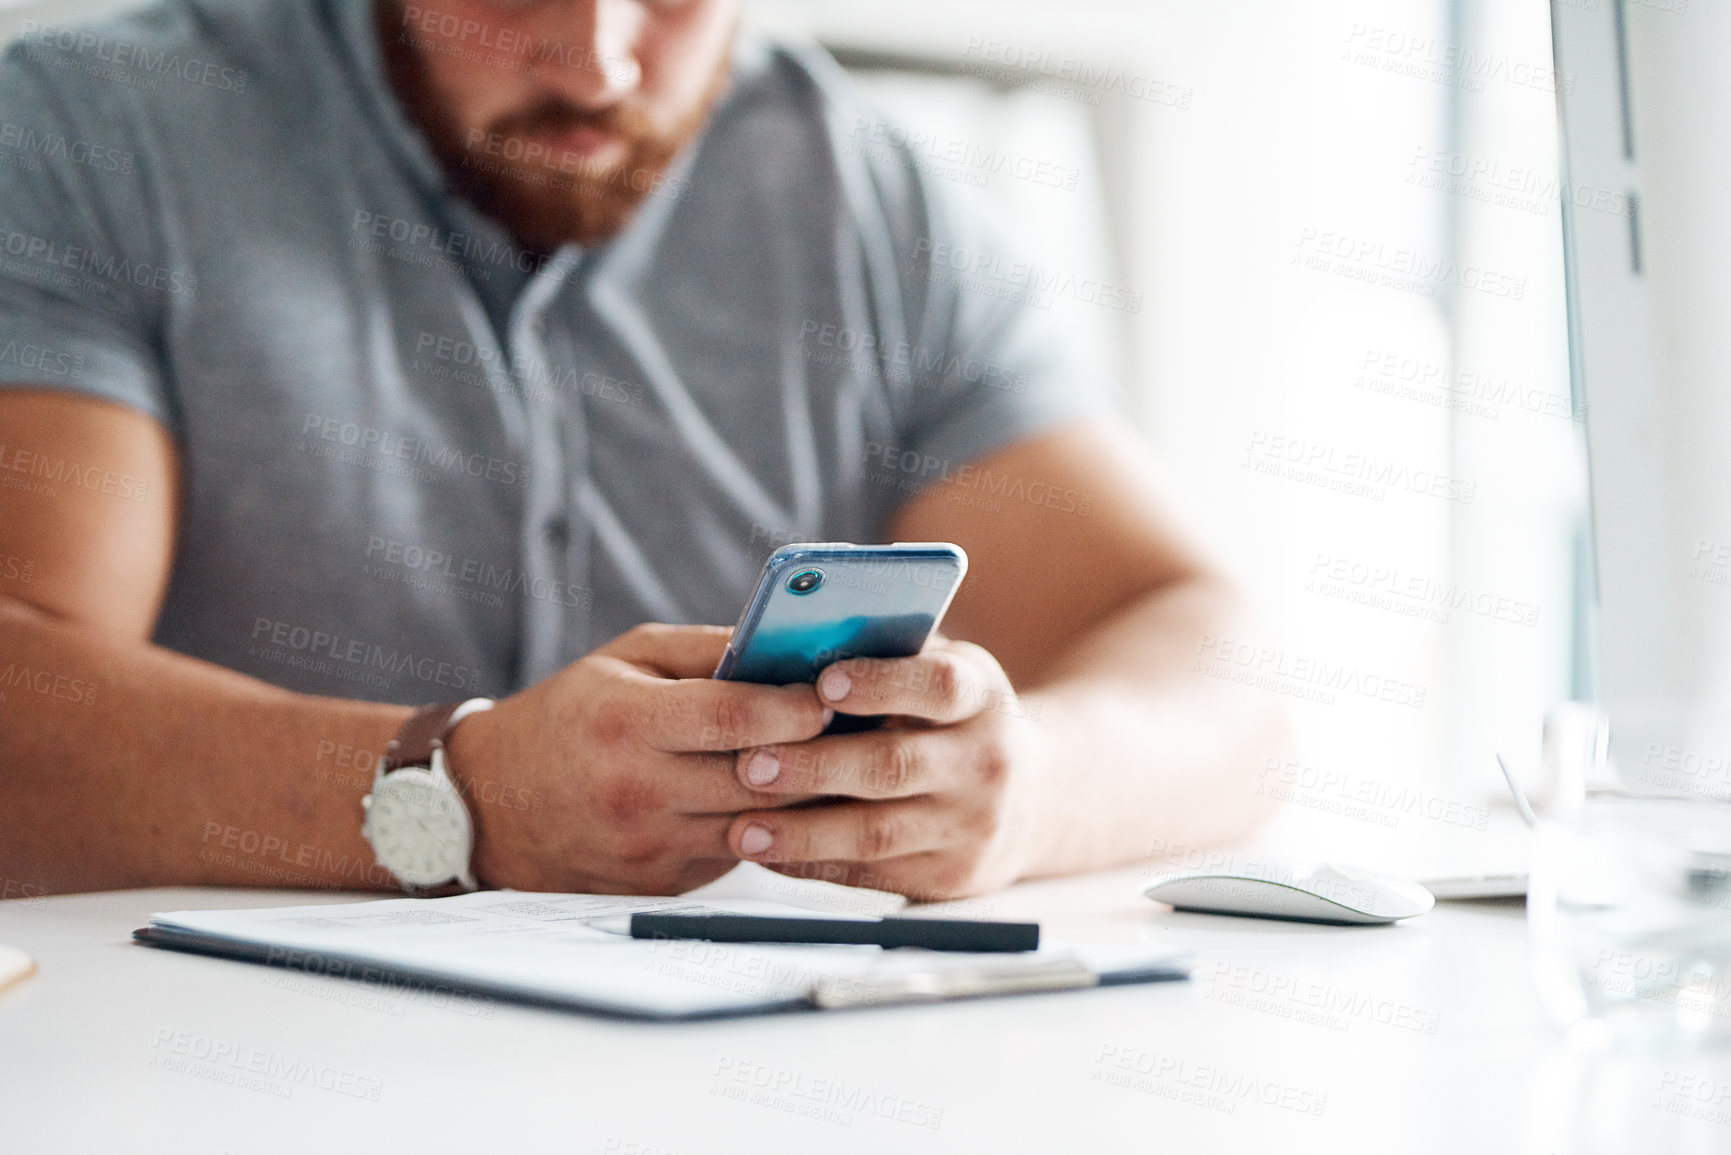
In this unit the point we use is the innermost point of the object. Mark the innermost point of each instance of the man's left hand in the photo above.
(934, 805)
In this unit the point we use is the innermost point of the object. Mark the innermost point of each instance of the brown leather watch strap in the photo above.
(413, 745)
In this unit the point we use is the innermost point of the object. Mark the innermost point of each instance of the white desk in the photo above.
(1426, 1039)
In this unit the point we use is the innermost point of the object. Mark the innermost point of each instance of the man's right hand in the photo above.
(616, 774)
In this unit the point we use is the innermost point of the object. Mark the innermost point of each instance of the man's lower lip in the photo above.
(582, 141)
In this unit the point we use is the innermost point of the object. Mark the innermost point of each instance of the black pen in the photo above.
(930, 933)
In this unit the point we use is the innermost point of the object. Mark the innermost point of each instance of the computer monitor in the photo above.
(1645, 103)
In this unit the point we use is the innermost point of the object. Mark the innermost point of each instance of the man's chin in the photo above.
(546, 209)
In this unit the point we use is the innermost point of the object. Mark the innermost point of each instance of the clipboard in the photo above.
(536, 949)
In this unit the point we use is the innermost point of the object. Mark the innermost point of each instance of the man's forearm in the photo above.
(122, 764)
(1140, 751)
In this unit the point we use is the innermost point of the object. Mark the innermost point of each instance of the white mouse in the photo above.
(1323, 892)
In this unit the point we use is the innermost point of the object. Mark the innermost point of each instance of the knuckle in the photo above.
(895, 769)
(982, 825)
(946, 683)
(879, 835)
(625, 800)
(992, 763)
(612, 720)
(729, 721)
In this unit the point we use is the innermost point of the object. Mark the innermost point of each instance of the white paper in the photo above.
(536, 946)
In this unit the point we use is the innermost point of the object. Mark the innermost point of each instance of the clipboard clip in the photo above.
(887, 986)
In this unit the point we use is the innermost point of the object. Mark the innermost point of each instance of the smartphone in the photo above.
(821, 602)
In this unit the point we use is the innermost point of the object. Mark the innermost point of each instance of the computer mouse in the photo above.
(1325, 892)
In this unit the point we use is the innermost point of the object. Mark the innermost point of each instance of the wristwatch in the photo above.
(416, 820)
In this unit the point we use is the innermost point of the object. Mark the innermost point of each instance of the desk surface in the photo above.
(1421, 1037)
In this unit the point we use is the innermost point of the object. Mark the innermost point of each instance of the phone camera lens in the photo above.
(805, 581)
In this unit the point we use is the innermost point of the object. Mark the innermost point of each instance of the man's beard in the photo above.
(551, 197)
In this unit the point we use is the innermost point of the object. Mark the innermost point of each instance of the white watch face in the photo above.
(419, 828)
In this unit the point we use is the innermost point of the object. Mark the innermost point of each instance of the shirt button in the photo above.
(556, 531)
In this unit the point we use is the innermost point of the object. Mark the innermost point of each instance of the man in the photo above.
(359, 357)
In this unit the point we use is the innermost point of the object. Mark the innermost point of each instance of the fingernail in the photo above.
(834, 684)
(828, 716)
(762, 769)
(755, 839)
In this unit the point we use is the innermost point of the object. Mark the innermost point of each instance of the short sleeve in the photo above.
(81, 284)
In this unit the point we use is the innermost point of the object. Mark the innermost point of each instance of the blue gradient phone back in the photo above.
(872, 601)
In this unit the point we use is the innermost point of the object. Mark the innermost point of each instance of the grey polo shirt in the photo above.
(420, 462)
